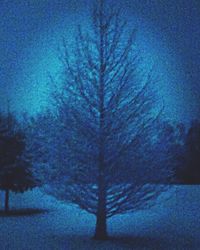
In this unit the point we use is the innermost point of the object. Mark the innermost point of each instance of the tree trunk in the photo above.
(7, 201)
(101, 223)
(101, 227)
(101, 220)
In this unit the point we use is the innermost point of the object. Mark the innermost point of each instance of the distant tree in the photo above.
(104, 114)
(45, 145)
(168, 148)
(189, 173)
(15, 169)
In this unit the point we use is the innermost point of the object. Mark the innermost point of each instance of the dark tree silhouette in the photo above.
(15, 169)
(168, 149)
(189, 173)
(104, 115)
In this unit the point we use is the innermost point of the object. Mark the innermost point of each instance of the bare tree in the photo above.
(105, 111)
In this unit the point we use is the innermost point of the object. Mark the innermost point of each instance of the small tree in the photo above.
(105, 112)
(15, 169)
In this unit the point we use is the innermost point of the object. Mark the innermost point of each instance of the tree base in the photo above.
(100, 236)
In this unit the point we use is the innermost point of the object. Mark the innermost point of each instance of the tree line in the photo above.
(35, 154)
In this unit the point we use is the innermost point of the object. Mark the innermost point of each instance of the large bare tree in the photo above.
(105, 110)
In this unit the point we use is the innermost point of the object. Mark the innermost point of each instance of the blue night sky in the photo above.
(168, 37)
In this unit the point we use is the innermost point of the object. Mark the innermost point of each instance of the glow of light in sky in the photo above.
(41, 57)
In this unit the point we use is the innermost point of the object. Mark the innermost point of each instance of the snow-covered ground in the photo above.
(172, 224)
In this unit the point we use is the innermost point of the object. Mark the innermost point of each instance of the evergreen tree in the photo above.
(190, 171)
